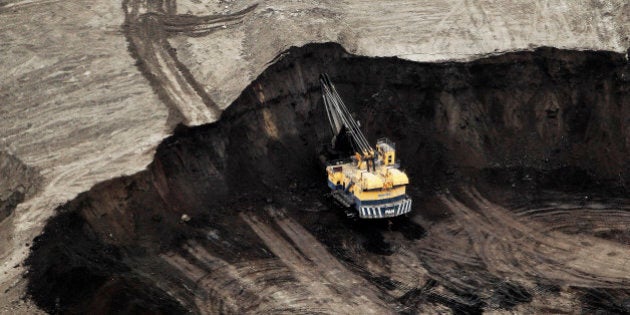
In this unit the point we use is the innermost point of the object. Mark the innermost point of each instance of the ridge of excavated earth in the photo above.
(89, 90)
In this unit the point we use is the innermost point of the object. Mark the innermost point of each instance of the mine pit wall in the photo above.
(547, 109)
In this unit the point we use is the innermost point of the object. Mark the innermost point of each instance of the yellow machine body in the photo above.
(370, 181)
(372, 184)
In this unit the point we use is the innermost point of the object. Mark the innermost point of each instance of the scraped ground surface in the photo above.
(91, 89)
(519, 182)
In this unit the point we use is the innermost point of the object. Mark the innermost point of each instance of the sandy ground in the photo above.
(87, 95)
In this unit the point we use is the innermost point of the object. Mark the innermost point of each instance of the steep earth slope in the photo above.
(504, 154)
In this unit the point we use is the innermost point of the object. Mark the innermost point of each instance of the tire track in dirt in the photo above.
(304, 278)
(512, 246)
(312, 264)
(253, 287)
(594, 216)
(147, 28)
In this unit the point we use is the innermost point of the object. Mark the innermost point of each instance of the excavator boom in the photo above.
(339, 117)
(369, 181)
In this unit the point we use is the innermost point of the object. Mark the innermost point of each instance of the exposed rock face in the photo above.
(83, 104)
(19, 182)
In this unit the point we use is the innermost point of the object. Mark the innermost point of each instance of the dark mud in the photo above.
(530, 131)
(605, 301)
(81, 273)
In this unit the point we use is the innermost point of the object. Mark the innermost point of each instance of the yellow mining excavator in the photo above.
(366, 181)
